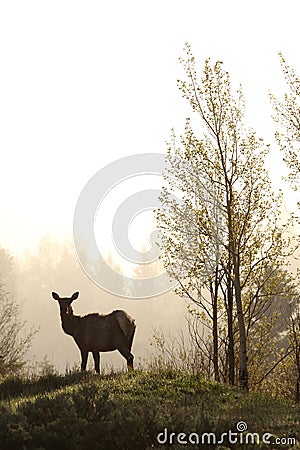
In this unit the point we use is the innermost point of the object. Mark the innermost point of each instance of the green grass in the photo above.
(128, 411)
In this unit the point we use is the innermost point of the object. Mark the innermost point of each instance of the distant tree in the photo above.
(9, 269)
(287, 115)
(221, 239)
(15, 339)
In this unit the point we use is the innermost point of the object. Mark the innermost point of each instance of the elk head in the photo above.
(65, 302)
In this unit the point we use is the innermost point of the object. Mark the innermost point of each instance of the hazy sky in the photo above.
(85, 83)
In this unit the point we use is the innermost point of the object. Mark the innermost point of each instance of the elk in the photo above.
(97, 332)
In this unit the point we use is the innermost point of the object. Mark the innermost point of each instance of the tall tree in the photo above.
(287, 117)
(225, 230)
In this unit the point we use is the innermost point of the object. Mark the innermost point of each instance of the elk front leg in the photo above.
(84, 357)
(96, 356)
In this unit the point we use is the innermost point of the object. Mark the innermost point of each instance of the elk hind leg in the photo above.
(130, 339)
(128, 356)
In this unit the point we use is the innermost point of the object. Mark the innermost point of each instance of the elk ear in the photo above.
(75, 295)
(55, 296)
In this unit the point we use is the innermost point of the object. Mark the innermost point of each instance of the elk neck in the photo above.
(69, 321)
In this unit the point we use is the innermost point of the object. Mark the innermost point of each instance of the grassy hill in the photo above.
(141, 410)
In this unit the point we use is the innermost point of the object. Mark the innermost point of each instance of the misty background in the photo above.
(54, 266)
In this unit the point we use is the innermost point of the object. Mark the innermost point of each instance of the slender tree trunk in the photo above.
(214, 296)
(298, 369)
(243, 356)
(231, 356)
(234, 257)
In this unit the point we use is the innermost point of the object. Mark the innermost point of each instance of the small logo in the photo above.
(241, 426)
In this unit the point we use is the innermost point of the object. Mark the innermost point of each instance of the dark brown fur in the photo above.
(97, 332)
